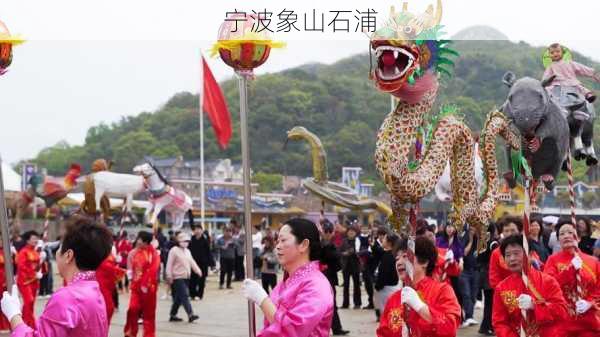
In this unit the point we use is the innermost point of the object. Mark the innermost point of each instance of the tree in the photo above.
(337, 102)
(268, 182)
(563, 199)
(132, 148)
(57, 159)
(588, 199)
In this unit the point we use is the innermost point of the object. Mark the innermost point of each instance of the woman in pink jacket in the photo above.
(301, 305)
(78, 309)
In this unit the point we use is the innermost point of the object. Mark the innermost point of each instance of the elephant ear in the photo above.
(509, 78)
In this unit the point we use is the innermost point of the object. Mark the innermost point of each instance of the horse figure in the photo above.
(163, 196)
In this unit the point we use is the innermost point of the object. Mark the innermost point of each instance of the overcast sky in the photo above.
(86, 62)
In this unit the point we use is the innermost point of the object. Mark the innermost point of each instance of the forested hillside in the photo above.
(337, 102)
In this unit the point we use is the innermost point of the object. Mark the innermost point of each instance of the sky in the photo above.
(87, 62)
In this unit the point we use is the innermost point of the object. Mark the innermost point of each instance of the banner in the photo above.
(351, 178)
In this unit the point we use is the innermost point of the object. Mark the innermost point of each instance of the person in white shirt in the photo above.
(257, 247)
(553, 243)
(180, 265)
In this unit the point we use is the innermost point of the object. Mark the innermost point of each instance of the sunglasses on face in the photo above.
(328, 231)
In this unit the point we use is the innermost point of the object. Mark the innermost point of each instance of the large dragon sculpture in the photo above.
(329, 191)
(411, 154)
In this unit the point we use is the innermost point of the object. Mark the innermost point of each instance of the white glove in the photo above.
(39, 275)
(581, 306)
(118, 259)
(409, 296)
(13, 250)
(39, 245)
(525, 302)
(10, 303)
(253, 291)
(449, 255)
(577, 262)
(154, 243)
(144, 290)
(43, 256)
(129, 274)
(405, 330)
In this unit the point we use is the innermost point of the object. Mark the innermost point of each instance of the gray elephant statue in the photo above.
(542, 124)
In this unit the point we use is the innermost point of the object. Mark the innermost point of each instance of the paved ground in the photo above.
(223, 313)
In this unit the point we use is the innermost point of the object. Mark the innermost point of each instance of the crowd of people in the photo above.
(137, 265)
(430, 289)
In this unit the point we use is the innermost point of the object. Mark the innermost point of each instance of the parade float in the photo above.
(413, 145)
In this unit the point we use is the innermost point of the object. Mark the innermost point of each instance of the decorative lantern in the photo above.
(241, 48)
(7, 42)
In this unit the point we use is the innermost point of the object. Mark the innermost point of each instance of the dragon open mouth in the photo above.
(393, 63)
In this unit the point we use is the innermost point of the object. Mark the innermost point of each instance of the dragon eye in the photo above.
(408, 30)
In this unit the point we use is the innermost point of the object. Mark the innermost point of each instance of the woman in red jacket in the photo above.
(567, 266)
(426, 307)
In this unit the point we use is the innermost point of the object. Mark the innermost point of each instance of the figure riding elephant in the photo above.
(580, 117)
(542, 124)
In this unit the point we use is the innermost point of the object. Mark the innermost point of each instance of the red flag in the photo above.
(213, 103)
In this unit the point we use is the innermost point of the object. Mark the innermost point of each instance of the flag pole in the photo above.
(202, 209)
(8, 266)
(243, 85)
(527, 215)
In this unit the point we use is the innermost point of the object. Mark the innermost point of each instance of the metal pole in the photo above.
(8, 266)
(527, 213)
(202, 208)
(243, 82)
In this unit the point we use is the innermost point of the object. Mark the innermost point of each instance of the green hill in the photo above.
(337, 102)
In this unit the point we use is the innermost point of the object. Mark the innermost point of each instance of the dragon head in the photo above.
(297, 133)
(408, 49)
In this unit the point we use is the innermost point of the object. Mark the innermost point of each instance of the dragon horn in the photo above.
(429, 10)
(438, 13)
(405, 6)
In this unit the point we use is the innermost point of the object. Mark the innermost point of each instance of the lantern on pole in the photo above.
(242, 46)
(7, 42)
